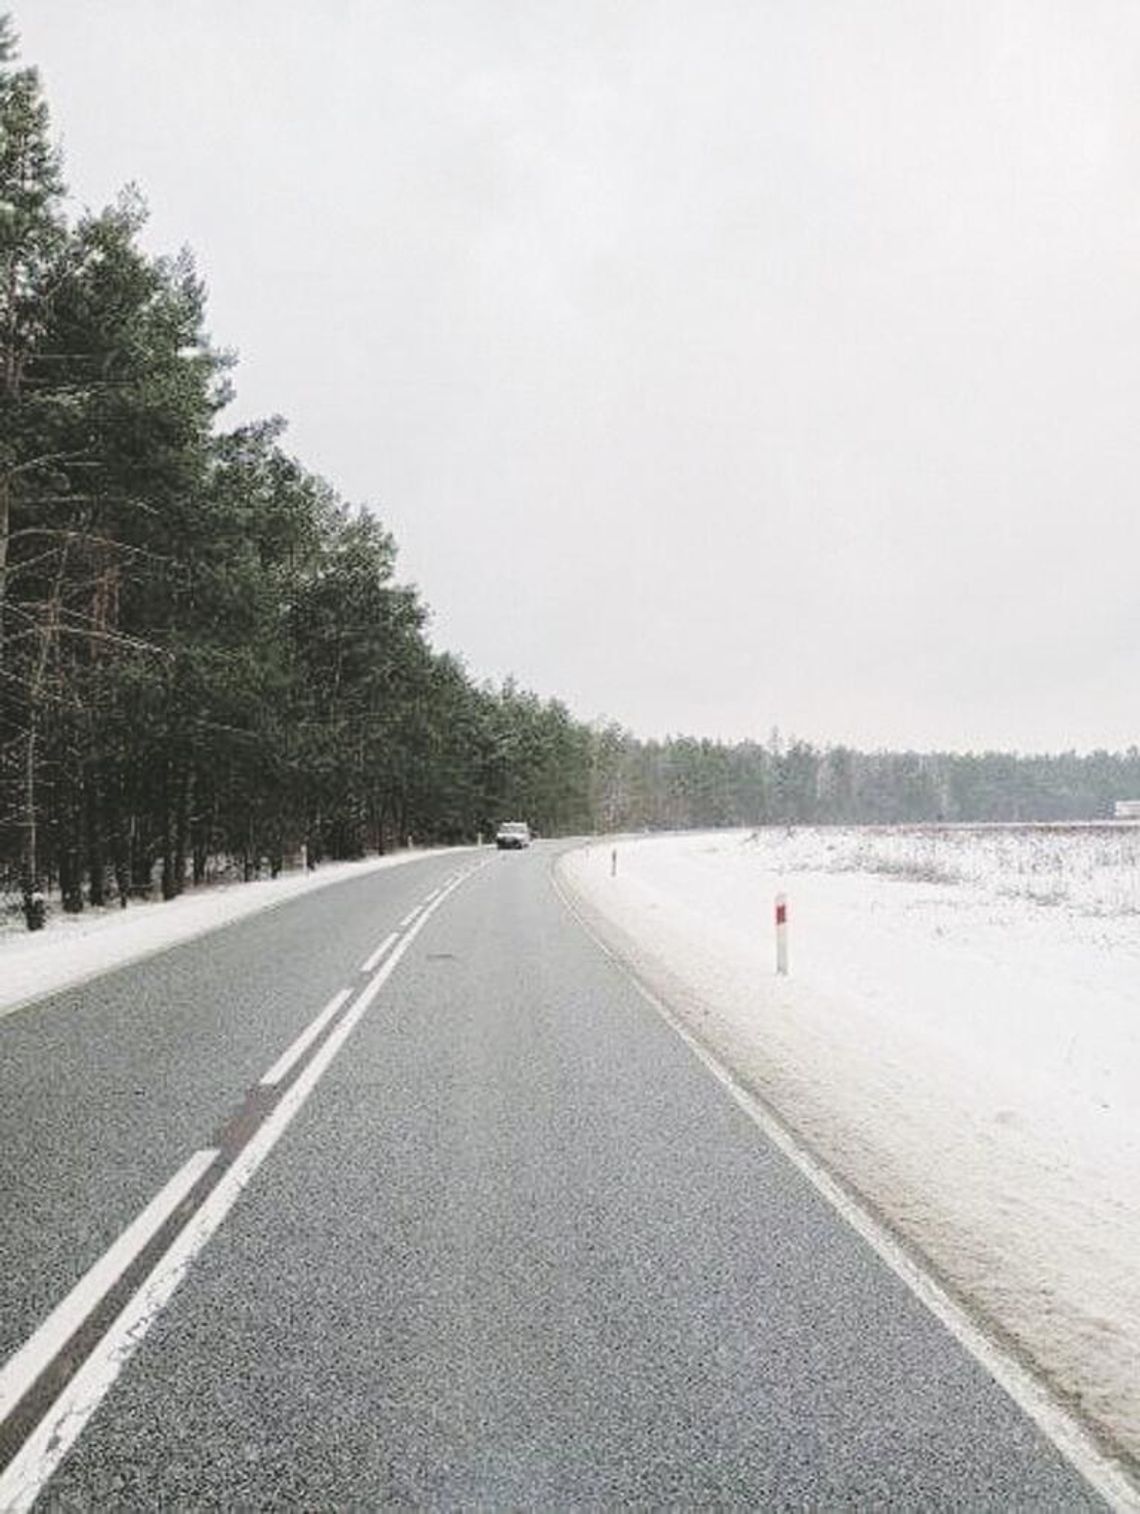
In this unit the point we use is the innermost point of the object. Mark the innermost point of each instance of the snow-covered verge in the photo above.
(958, 1037)
(72, 948)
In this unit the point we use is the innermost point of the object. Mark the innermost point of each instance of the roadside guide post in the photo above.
(782, 934)
(613, 863)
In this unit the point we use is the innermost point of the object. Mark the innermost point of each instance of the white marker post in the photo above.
(782, 934)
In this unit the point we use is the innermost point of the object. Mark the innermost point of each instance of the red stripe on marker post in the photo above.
(782, 933)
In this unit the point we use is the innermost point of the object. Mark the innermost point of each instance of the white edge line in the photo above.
(25, 1476)
(1103, 1473)
(21, 1370)
(384, 947)
(311, 1031)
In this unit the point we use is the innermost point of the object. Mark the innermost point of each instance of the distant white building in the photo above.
(1127, 809)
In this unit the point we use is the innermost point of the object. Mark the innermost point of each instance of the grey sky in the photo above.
(715, 364)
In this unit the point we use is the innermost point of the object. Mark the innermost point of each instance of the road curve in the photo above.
(514, 1245)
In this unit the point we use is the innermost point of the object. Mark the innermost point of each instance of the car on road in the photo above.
(512, 835)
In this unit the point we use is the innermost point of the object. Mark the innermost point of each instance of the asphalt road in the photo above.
(517, 1248)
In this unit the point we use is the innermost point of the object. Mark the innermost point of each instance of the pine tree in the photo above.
(33, 262)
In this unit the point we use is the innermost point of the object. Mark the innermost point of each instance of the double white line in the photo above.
(59, 1427)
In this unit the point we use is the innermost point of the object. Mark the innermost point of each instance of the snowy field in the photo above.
(72, 948)
(959, 1037)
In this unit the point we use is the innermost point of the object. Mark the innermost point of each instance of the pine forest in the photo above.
(208, 662)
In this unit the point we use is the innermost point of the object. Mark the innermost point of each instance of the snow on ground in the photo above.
(72, 948)
(959, 1036)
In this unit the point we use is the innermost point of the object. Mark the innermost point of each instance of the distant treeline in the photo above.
(682, 783)
(205, 654)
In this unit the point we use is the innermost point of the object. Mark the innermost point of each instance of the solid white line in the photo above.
(21, 1370)
(410, 916)
(57, 1432)
(310, 1033)
(381, 951)
(1066, 1433)
(1100, 1470)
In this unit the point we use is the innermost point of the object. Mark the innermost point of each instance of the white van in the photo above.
(512, 835)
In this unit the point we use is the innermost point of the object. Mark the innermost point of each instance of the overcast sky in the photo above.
(716, 364)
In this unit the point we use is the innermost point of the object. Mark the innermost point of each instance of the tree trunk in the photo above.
(120, 847)
(96, 841)
(166, 831)
(5, 531)
(142, 860)
(182, 829)
(250, 858)
(31, 888)
(176, 831)
(70, 866)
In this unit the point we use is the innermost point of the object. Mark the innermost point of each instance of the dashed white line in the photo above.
(21, 1370)
(310, 1033)
(381, 951)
